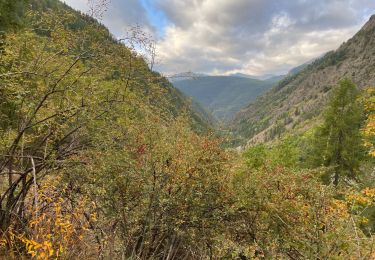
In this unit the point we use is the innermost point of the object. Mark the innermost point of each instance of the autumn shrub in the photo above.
(160, 190)
(62, 111)
(54, 227)
(286, 214)
(99, 160)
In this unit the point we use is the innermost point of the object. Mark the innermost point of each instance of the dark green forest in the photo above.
(102, 158)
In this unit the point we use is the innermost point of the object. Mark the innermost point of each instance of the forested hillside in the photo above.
(102, 158)
(300, 98)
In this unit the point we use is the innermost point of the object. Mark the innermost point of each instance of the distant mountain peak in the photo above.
(260, 77)
(185, 76)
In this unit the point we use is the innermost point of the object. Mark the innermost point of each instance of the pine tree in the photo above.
(338, 142)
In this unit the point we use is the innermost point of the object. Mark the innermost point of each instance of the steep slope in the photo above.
(132, 72)
(300, 98)
(223, 96)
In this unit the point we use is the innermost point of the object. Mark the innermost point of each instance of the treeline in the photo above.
(102, 158)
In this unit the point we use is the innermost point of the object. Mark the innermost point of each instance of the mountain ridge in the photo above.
(299, 98)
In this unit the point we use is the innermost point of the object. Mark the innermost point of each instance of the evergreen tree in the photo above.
(338, 142)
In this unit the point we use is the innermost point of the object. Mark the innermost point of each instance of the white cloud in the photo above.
(248, 36)
(77, 4)
(120, 14)
(254, 36)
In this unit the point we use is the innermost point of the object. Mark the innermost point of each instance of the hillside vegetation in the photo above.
(299, 99)
(102, 158)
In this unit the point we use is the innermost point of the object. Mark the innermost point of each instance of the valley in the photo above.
(224, 96)
(104, 157)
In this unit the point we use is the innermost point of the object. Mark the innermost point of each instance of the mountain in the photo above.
(223, 96)
(275, 78)
(301, 67)
(241, 75)
(298, 100)
(261, 77)
(185, 75)
(135, 79)
(100, 158)
(297, 69)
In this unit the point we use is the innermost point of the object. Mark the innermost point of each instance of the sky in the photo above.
(222, 37)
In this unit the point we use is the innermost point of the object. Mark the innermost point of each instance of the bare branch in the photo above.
(97, 8)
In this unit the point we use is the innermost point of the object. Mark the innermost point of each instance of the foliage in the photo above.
(285, 152)
(163, 191)
(369, 126)
(57, 226)
(338, 143)
(57, 83)
(11, 13)
(285, 214)
(100, 157)
(69, 91)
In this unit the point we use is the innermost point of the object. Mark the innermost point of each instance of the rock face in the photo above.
(298, 100)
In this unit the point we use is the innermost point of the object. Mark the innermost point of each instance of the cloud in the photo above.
(120, 15)
(77, 4)
(247, 36)
(254, 36)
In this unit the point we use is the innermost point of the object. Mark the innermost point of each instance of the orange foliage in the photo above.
(55, 228)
